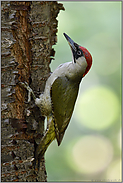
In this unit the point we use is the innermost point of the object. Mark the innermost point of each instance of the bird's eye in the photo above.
(79, 52)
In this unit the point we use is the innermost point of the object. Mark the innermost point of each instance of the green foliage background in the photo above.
(91, 148)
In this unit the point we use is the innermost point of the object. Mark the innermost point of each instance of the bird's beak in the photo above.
(72, 46)
(70, 41)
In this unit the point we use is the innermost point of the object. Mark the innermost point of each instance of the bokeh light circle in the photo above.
(97, 108)
(92, 154)
(114, 172)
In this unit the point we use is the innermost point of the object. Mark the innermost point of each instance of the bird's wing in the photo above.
(63, 96)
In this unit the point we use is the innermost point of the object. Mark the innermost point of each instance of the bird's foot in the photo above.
(30, 91)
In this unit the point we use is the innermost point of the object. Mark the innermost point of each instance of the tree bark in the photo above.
(28, 33)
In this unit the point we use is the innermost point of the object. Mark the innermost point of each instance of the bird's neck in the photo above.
(76, 70)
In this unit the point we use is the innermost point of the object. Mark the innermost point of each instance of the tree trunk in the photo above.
(28, 33)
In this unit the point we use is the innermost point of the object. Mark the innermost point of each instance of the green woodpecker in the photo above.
(60, 94)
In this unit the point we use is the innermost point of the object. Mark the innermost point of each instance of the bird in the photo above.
(61, 90)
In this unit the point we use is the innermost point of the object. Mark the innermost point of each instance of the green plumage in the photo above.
(63, 96)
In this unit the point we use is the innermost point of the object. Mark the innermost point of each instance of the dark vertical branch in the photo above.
(28, 33)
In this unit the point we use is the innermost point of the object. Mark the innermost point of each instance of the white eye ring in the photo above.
(78, 52)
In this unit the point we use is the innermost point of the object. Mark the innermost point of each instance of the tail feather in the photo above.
(48, 137)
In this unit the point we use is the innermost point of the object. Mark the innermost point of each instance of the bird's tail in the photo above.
(48, 137)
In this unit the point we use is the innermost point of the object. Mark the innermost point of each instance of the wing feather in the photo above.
(63, 96)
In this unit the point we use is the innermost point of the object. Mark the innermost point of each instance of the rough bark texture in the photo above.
(28, 33)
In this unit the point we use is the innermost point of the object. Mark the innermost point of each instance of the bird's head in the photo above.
(79, 52)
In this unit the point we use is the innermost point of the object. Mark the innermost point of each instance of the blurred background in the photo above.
(91, 147)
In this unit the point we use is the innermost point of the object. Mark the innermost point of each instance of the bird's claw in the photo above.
(30, 91)
(26, 102)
